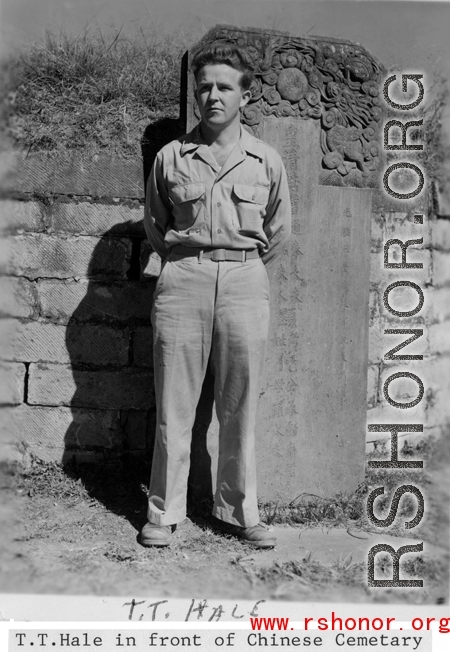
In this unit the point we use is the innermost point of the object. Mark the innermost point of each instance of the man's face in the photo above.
(220, 96)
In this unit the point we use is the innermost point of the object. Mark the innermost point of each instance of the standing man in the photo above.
(217, 211)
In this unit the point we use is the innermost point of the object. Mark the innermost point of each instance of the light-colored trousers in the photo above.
(217, 309)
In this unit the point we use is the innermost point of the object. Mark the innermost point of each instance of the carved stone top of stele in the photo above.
(333, 81)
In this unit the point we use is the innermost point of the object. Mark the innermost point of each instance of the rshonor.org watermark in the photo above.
(407, 80)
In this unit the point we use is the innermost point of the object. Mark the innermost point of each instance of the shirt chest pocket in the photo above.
(187, 204)
(250, 203)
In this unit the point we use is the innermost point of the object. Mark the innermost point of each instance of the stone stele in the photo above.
(317, 102)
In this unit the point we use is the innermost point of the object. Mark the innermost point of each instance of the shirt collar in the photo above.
(247, 142)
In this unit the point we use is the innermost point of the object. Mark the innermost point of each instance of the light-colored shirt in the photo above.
(192, 201)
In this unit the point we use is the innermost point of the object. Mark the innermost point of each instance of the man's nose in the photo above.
(213, 94)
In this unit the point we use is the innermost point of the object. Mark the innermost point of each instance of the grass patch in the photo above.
(90, 91)
(349, 509)
(121, 485)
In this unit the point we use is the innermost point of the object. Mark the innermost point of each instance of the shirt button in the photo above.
(219, 204)
(219, 230)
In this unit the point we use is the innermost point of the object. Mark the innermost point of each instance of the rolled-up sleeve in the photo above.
(277, 222)
(157, 214)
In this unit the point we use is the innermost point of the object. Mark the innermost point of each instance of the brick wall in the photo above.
(392, 220)
(76, 371)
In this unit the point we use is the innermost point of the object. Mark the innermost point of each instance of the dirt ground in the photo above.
(65, 533)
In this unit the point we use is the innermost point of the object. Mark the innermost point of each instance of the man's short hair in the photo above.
(229, 54)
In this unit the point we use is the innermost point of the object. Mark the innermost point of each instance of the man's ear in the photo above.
(245, 98)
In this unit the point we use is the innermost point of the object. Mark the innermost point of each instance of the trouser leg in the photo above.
(182, 320)
(238, 350)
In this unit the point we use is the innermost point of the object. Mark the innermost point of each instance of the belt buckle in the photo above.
(219, 255)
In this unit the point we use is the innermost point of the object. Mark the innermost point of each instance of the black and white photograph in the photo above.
(225, 323)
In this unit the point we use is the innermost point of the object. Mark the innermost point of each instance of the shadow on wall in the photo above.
(109, 443)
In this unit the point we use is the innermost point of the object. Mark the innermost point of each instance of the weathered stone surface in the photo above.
(376, 234)
(34, 256)
(438, 388)
(62, 428)
(317, 357)
(17, 297)
(12, 383)
(98, 301)
(439, 335)
(382, 276)
(372, 385)
(377, 342)
(41, 341)
(21, 216)
(96, 219)
(405, 298)
(143, 347)
(441, 269)
(61, 385)
(402, 226)
(441, 234)
(439, 300)
(73, 174)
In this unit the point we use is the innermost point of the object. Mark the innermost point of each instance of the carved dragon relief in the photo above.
(336, 83)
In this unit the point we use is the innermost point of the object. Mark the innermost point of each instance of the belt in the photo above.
(217, 255)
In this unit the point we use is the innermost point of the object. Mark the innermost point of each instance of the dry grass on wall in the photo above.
(89, 92)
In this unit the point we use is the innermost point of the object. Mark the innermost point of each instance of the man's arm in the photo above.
(277, 223)
(157, 214)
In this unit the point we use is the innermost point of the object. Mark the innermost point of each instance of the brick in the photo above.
(440, 337)
(95, 301)
(385, 413)
(72, 173)
(18, 297)
(440, 234)
(439, 303)
(143, 347)
(40, 341)
(96, 219)
(381, 276)
(12, 383)
(438, 389)
(50, 256)
(61, 385)
(21, 216)
(10, 453)
(62, 428)
(441, 268)
(401, 226)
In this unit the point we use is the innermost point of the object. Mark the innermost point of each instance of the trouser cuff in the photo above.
(225, 515)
